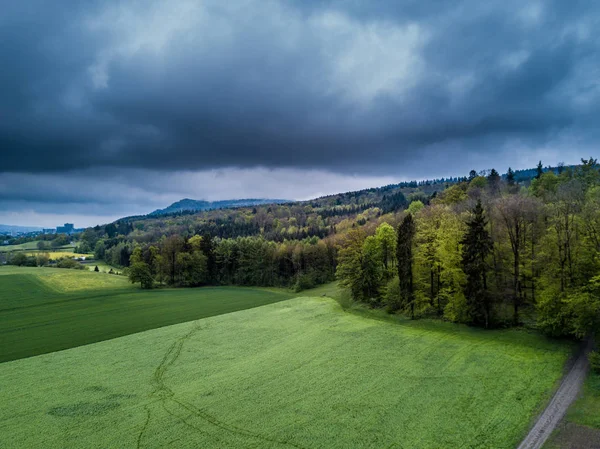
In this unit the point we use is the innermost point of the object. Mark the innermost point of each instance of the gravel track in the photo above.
(564, 396)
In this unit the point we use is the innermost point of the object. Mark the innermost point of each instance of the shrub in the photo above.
(41, 245)
(457, 309)
(42, 259)
(70, 263)
(594, 358)
(345, 300)
(22, 260)
(391, 296)
(554, 314)
(304, 282)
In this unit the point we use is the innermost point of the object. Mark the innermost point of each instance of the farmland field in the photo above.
(299, 373)
(31, 246)
(20, 247)
(49, 309)
(58, 254)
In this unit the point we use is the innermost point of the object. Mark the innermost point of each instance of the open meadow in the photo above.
(20, 247)
(32, 246)
(298, 373)
(49, 309)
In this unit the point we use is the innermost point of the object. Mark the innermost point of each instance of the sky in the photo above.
(116, 108)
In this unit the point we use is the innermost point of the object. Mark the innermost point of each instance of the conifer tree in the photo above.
(539, 170)
(494, 180)
(404, 254)
(510, 177)
(477, 245)
(494, 176)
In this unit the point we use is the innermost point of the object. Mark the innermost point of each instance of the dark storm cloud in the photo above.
(343, 86)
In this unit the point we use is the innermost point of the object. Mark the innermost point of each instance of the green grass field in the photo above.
(585, 411)
(21, 247)
(300, 373)
(59, 254)
(581, 426)
(103, 267)
(31, 246)
(49, 309)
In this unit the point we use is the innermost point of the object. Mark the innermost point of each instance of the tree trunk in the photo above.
(439, 287)
(516, 279)
(431, 282)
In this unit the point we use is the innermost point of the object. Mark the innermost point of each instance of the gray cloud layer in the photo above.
(405, 89)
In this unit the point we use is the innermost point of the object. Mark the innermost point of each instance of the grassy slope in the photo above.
(45, 309)
(22, 246)
(103, 267)
(299, 373)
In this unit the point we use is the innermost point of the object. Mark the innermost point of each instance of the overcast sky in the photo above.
(113, 108)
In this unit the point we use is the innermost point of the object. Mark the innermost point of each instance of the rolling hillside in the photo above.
(188, 205)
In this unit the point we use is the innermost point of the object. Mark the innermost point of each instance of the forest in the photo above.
(488, 250)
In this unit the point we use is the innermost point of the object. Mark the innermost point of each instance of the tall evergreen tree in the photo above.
(494, 180)
(510, 177)
(494, 176)
(477, 245)
(404, 254)
(539, 170)
(207, 246)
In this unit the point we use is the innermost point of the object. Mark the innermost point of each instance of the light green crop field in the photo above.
(22, 246)
(59, 254)
(301, 373)
(50, 309)
(31, 246)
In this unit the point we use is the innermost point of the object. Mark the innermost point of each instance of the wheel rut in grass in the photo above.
(564, 396)
(164, 396)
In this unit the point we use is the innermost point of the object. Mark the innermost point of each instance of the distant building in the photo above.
(66, 229)
(49, 231)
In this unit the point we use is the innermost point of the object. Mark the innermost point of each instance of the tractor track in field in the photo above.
(562, 399)
(165, 396)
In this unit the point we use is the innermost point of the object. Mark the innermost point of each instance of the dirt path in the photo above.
(564, 396)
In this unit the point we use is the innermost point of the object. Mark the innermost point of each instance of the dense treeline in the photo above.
(322, 217)
(195, 261)
(485, 249)
(490, 252)
(45, 241)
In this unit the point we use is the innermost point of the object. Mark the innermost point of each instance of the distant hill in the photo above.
(329, 208)
(199, 205)
(12, 228)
